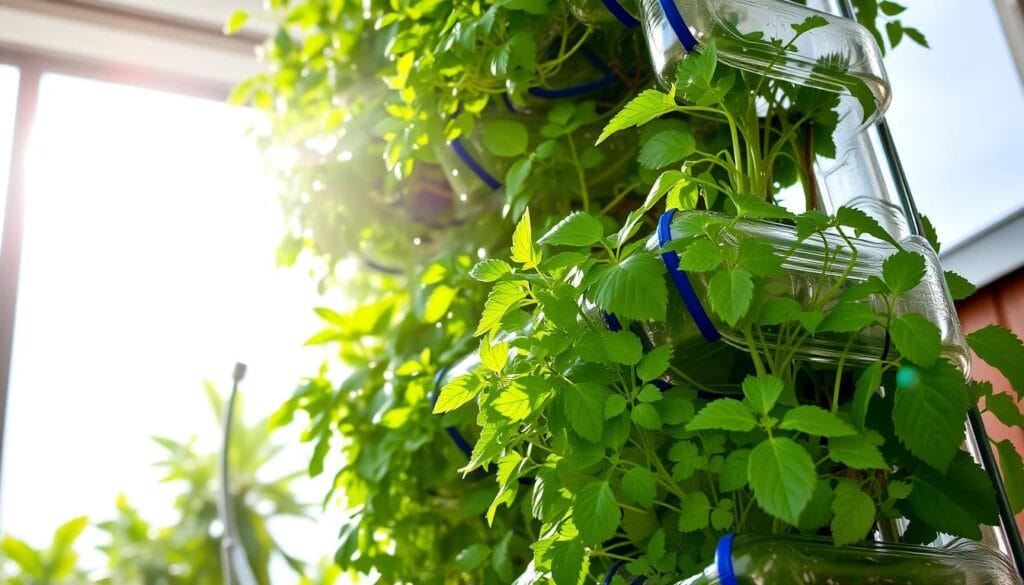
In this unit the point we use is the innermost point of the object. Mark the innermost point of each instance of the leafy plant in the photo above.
(598, 434)
(53, 566)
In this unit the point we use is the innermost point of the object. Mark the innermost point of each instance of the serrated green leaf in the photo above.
(734, 471)
(595, 513)
(848, 318)
(490, 270)
(762, 392)
(654, 363)
(701, 256)
(783, 478)
(916, 338)
(584, 407)
(730, 293)
(633, 289)
(957, 502)
(695, 512)
(493, 356)
(638, 486)
(854, 513)
(646, 416)
(513, 403)
(959, 287)
(667, 147)
(815, 421)
(458, 392)
(725, 414)
(758, 257)
(579, 229)
(504, 297)
(649, 393)
(567, 558)
(929, 414)
(809, 24)
(722, 517)
(754, 207)
(1001, 349)
(646, 106)
(779, 311)
(818, 512)
(862, 223)
(505, 138)
(523, 250)
(903, 271)
(866, 388)
(1012, 468)
(614, 405)
(621, 347)
(1005, 409)
(857, 452)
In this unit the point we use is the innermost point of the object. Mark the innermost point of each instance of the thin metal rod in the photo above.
(234, 563)
(975, 425)
(13, 232)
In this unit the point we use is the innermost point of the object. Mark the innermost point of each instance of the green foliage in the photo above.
(579, 457)
(55, 565)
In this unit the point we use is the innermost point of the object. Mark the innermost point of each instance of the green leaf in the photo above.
(916, 338)
(646, 416)
(513, 403)
(818, 512)
(762, 392)
(916, 35)
(695, 512)
(854, 513)
(930, 234)
(809, 24)
(867, 387)
(654, 364)
(701, 256)
(505, 138)
(959, 287)
(929, 414)
(458, 392)
(493, 356)
(957, 502)
(236, 22)
(725, 414)
(646, 106)
(504, 297)
(779, 311)
(863, 223)
(472, 557)
(633, 289)
(848, 318)
(890, 8)
(515, 178)
(755, 207)
(621, 347)
(579, 229)
(595, 513)
(734, 471)
(857, 452)
(1002, 350)
(614, 406)
(438, 302)
(667, 147)
(783, 478)
(758, 257)
(815, 421)
(722, 517)
(523, 251)
(730, 293)
(490, 270)
(1012, 467)
(638, 486)
(24, 556)
(584, 407)
(649, 393)
(507, 465)
(1005, 408)
(903, 271)
(567, 562)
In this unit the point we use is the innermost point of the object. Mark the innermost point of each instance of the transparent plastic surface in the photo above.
(597, 13)
(476, 176)
(813, 275)
(775, 560)
(841, 58)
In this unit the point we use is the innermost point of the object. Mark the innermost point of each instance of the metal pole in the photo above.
(13, 231)
(234, 563)
(978, 445)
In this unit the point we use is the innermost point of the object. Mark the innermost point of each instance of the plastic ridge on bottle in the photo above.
(816, 264)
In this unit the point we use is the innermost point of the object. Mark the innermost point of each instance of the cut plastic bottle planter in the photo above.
(811, 268)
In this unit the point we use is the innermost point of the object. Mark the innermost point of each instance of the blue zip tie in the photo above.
(575, 91)
(611, 572)
(621, 13)
(678, 24)
(723, 560)
(382, 268)
(612, 322)
(682, 283)
(460, 151)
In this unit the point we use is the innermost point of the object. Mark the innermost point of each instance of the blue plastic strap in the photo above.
(678, 24)
(382, 268)
(611, 572)
(682, 283)
(460, 151)
(612, 322)
(723, 560)
(621, 13)
(575, 91)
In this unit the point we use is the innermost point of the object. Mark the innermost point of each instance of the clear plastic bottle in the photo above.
(476, 175)
(842, 57)
(775, 560)
(810, 269)
(598, 13)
